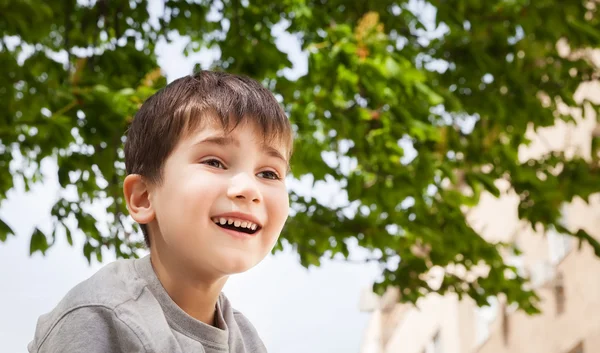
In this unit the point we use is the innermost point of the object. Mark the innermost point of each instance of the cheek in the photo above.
(278, 207)
(185, 205)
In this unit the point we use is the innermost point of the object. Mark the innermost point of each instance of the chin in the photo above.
(234, 264)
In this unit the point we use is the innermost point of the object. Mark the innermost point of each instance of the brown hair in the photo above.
(186, 105)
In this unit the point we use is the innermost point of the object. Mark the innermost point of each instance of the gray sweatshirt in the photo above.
(124, 308)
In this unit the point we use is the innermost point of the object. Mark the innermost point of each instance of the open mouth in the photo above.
(237, 225)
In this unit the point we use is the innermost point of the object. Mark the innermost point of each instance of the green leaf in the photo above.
(99, 254)
(488, 183)
(582, 234)
(5, 231)
(433, 98)
(39, 242)
(63, 177)
(68, 235)
(87, 251)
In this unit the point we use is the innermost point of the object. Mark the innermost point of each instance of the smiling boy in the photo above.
(206, 159)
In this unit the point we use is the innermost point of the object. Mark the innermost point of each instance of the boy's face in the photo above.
(211, 178)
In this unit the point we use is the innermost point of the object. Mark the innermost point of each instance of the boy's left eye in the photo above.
(215, 163)
(267, 174)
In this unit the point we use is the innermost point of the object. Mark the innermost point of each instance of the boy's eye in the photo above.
(215, 163)
(267, 174)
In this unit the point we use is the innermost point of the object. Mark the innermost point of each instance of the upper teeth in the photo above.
(236, 222)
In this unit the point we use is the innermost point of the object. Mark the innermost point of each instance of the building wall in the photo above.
(372, 337)
(460, 322)
(551, 331)
(435, 314)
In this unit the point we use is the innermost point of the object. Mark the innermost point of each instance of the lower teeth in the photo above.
(232, 227)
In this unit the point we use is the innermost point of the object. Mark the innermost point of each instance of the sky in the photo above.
(293, 308)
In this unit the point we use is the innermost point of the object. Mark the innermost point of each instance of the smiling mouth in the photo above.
(239, 226)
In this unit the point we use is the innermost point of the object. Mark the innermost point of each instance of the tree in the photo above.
(457, 81)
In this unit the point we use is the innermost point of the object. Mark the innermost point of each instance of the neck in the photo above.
(194, 293)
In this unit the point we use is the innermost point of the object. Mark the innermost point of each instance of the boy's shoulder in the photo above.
(111, 286)
(109, 293)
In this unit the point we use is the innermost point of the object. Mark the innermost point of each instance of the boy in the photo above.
(206, 159)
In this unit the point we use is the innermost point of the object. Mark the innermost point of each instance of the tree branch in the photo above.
(64, 109)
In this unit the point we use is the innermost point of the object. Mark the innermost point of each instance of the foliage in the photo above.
(459, 81)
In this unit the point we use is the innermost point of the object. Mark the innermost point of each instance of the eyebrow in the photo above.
(275, 153)
(228, 141)
(219, 140)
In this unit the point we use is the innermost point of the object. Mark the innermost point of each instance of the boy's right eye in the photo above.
(215, 163)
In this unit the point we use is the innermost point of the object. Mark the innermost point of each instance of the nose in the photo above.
(243, 187)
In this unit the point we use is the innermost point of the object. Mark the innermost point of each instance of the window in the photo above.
(515, 259)
(559, 294)
(437, 343)
(506, 322)
(484, 317)
(434, 345)
(559, 244)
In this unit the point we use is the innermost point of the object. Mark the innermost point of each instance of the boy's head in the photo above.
(206, 159)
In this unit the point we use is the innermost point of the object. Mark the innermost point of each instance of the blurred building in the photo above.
(566, 277)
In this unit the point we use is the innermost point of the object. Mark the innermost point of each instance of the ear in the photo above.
(137, 196)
